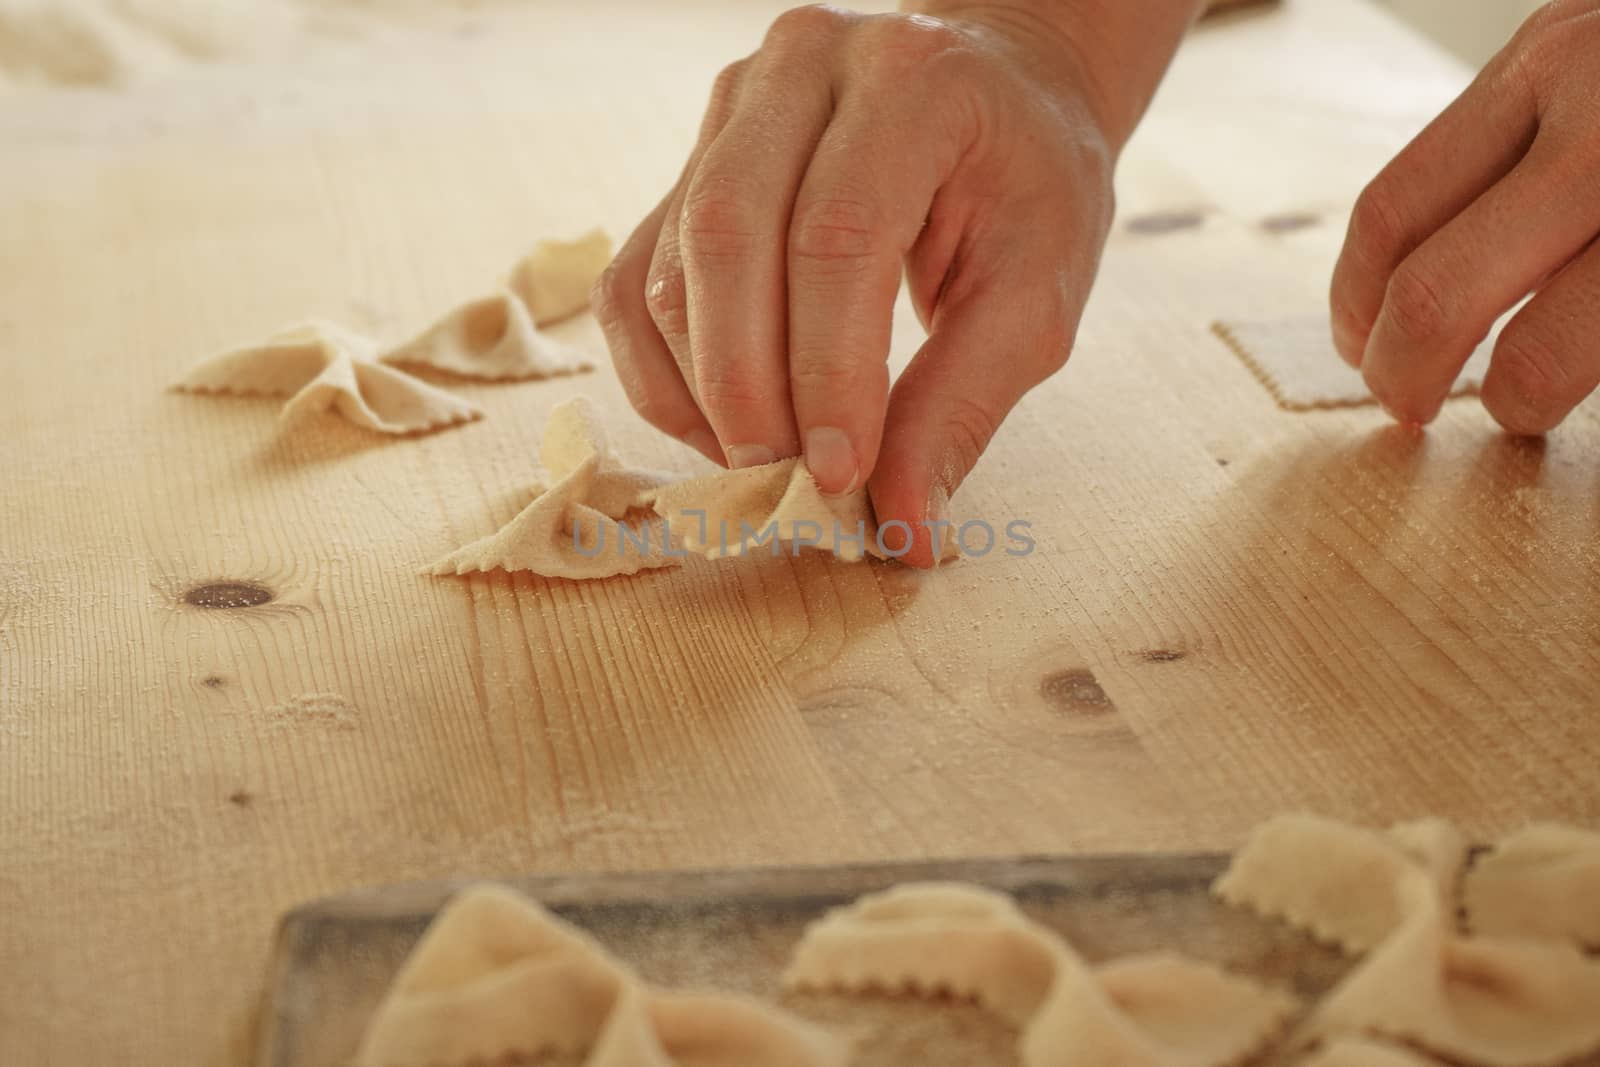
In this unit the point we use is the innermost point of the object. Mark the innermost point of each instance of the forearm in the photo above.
(1122, 47)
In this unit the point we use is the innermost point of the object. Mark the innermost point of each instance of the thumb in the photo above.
(985, 351)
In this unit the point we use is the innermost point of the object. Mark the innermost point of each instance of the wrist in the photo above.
(1110, 53)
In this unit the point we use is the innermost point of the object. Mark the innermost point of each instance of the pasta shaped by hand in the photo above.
(1493, 1002)
(555, 278)
(322, 367)
(492, 338)
(1340, 882)
(1160, 1011)
(1543, 881)
(496, 976)
(587, 524)
(729, 513)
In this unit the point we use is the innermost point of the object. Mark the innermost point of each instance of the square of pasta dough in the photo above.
(1295, 359)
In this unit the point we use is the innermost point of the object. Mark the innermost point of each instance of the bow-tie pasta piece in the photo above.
(321, 367)
(492, 338)
(495, 975)
(1489, 1002)
(1543, 881)
(592, 521)
(1359, 1052)
(554, 279)
(496, 978)
(1155, 1011)
(931, 938)
(730, 513)
(1340, 882)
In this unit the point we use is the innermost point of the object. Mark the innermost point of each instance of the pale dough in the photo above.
(727, 507)
(497, 976)
(575, 528)
(554, 279)
(1148, 1011)
(1342, 883)
(728, 513)
(1491, 1002)
(1296, 361)
(470, 987)
(321, 366)
(493, 338)
(1543, 881)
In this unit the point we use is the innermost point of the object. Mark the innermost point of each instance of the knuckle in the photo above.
(1414, 304)
(665, 297)
(969, 427)
(1532, 367)
(607, 295)
(1053, 334)
(822, 376)
(725, 390)
(895, 42)
(835, 233)
(717, 220)
(728, 80)
(808, 21)
(1377, 225)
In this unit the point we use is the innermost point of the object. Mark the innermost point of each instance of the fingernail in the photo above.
(704, 442)
(831, 459)
(750, 455)
(938, 504)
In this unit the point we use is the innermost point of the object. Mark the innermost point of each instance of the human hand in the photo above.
(749, 314)
(1497, 198)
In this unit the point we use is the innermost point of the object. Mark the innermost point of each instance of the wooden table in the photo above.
(1233, 609)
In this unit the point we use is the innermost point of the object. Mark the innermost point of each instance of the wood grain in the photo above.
(1233, 609)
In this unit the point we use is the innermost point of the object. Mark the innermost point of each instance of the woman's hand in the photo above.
(749, 314)
(1497, 198)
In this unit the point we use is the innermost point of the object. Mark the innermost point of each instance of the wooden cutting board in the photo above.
(733, 930)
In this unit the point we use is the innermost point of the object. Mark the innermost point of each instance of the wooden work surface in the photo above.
(1233, 609)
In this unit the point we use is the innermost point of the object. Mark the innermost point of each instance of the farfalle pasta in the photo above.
(731, 513)
(1490, 1002)
(496, 976)
(1543, 881)
(320, 366)
(553, 280)
(1340, 882)
(1160, 1010)
(578, 526)
(492, 338)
